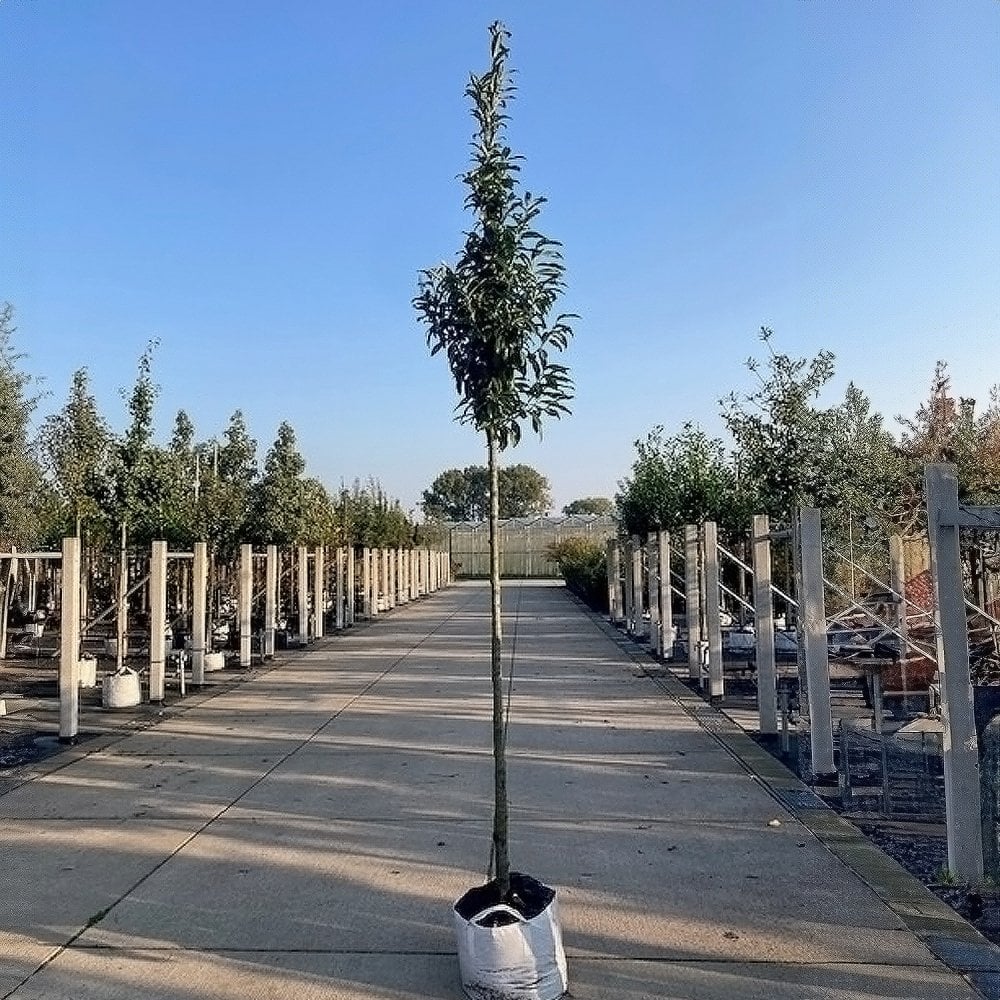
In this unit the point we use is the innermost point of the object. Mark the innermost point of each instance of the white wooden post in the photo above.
(692, 594)
(713, 619)
(319, 590)
(246, 603)
(763, 606)
(653, 578)
(961, 749)
(69, 650)
(270, 600)
(199, 607)
(812, 609)
(666, 598)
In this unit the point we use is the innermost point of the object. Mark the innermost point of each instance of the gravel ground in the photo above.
(926, 857)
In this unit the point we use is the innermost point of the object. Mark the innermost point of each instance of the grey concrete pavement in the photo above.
(305, 833)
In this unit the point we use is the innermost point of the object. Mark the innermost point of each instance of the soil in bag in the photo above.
(527, 895)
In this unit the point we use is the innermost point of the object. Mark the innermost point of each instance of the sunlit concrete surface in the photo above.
(305, 833)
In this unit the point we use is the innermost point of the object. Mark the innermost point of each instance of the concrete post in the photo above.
(339, 562)
(352, 597)
(653, 577)
(612, 562)
(713, 619)
(628, 591)
(692, 594)
(401, 595)
(374, 581)
(319, 591)
(157, 619)
(638, 623)
(385, 588)
(961, 752)
(666, 598)
(69, 650)
(199, 607)
(302, 591)
(270, 600)
(246, 603)
(763, 606)
(366, 583)
(990, 794)
(812, 608)
(897, 580)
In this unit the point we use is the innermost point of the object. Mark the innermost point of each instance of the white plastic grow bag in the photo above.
(523, 960)
(214, 661)
(121, 690)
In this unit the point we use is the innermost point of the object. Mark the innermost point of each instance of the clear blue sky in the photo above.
(257, 185)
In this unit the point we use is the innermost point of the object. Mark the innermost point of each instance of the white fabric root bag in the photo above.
(523, 960)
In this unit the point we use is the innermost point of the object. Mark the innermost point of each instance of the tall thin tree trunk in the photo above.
(501, 844)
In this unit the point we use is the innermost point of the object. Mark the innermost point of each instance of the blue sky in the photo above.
(257, 185)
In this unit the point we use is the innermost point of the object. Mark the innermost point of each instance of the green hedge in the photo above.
(583, 564)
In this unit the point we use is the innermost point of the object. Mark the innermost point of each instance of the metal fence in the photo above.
(899, 779)
(523, 544)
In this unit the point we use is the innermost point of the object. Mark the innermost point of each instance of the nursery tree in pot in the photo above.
(489, 313)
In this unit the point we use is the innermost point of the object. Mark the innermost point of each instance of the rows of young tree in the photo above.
(75, 475)
(789, 448)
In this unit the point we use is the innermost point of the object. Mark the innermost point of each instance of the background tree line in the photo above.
(76, 475)
(789, 449)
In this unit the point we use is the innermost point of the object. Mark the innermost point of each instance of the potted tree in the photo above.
(489, 314)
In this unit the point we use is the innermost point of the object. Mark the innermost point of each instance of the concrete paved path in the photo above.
(304, 834)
